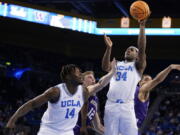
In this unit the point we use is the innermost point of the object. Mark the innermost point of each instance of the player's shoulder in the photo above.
(81, 87)
(59, 85)
(52, 90)
(51, 93)
(81, 90)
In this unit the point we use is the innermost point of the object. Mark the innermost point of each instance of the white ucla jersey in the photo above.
(123, 83)
(63, 115)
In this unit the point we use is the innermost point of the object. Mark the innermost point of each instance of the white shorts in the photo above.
(46, 131)
(120, 119)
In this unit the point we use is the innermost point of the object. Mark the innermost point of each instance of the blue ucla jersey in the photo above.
(141, 108)
(124, 82)
(62, 116)
(92, 109)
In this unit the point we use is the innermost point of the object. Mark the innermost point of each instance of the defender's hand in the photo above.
(175, 66)
(107, 41)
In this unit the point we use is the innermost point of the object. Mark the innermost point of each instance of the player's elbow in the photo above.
(95, 89)
(102, 84)
(105, 68)
(158, 80)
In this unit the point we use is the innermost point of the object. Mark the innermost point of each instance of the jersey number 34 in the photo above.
(121, 76)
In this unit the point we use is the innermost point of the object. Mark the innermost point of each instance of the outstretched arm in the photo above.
(159, 78)
(141, 61)
(48, 95)
(106, 64)
(104, 80)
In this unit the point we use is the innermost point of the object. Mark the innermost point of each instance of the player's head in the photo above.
(71, 74)
(145, 78)
(131, 53)
(88, 78)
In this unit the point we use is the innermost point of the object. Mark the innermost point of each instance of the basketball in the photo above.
(139, 10)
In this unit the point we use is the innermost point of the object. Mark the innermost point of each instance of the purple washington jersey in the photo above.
(141, 108)
(92, 109)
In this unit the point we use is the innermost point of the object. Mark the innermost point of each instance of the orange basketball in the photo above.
(139, 10)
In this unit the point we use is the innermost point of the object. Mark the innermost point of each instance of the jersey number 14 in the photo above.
(70, 113)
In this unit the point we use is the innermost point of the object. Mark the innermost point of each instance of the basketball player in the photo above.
(93, 121)
(119, 109)
(142, 92)
(64, 102)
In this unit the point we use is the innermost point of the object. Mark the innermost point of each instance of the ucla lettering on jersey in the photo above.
(128, 68)
(70, 103)
(63, 115)
(124, 82)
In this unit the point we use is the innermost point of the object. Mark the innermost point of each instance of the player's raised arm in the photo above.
(159, 78)
(104, 80)
(106, 64)
(141, 60)
(49, 95)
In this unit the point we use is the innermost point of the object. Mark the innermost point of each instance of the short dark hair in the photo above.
(67, 70)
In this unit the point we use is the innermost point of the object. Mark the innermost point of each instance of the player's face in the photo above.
(76, 76)
(145, 79)
(89, 79)
(131, 54)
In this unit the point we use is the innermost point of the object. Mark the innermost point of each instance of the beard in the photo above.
(76, 80)
(129, 58)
